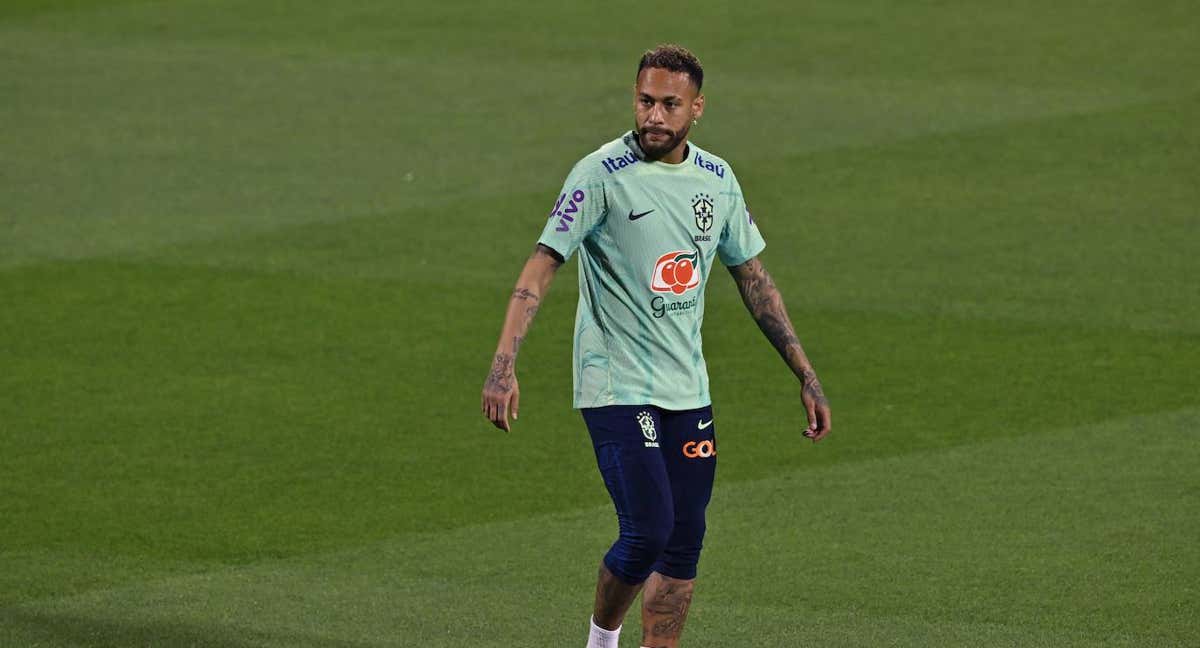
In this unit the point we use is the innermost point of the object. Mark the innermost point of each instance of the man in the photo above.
(649, 212)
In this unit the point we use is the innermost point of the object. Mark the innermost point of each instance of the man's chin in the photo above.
(656, 148)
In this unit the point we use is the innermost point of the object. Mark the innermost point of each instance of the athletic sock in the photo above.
(601, 638)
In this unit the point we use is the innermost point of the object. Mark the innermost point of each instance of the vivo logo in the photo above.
(566, 214)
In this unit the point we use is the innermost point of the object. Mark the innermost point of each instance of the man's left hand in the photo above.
(816, 406)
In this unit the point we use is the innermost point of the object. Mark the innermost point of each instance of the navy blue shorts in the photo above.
(658, 466)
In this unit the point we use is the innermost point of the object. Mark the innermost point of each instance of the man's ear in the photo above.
(698, 106)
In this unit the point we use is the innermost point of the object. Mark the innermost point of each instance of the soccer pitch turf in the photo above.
(254, 258)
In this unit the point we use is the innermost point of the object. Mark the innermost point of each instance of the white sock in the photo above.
(601, 638)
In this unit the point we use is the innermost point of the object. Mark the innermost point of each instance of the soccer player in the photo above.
(649, 213)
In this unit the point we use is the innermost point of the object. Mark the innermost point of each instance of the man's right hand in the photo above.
(501, 394)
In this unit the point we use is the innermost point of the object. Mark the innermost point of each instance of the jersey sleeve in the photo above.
(580, 208)
(740, 240)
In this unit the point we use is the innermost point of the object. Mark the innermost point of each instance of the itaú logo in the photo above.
(675, 272)
(702, 449)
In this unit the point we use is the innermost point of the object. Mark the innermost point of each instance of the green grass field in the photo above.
(254, 258)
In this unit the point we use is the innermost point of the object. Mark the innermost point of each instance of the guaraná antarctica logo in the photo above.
(675, 273)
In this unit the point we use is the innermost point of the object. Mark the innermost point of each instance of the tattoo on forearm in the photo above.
(529, 297)
(668, 609)
(812, 387)
(778, 330)
(501, 376)
(765, 304)
(527, 294)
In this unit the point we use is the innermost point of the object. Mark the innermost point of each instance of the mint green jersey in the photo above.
(647, 234)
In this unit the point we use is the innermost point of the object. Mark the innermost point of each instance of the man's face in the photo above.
(664, 105)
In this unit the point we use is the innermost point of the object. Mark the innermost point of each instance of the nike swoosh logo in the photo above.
(633, 216)
(702, 425)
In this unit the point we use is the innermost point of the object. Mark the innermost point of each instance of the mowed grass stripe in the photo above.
(223, 415)
(230, 414)
(1071, 537)
(1085, 218)
(169, 159)
(1000, 223)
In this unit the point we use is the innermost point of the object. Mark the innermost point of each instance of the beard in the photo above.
(655, 151)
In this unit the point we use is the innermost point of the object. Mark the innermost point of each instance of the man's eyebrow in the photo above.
(643, 95)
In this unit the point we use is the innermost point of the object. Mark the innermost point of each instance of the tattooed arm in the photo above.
(765, 304)
(500, 391)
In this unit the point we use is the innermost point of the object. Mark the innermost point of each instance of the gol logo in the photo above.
(675, 272)
(702, 449)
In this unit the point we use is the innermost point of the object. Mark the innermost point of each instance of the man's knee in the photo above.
(682, 553)
(639, 547)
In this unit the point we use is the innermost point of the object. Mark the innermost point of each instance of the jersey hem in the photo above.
(550, 245)
(657, 402)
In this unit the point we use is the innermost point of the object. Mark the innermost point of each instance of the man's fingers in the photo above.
(822, 431)
(497, 406)
(811, 412)
(502, 414)
(826, 424)
(499, 420)
(492, 411)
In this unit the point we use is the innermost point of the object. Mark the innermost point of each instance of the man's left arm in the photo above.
(765, 304)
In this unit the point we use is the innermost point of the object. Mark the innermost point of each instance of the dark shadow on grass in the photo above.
(45, 630)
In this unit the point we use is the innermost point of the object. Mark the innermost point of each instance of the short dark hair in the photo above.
(675, 58)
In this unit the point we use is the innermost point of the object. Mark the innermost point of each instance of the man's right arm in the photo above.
(501, 393)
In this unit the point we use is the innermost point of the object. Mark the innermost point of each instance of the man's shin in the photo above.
(613, 598)
(665, 603)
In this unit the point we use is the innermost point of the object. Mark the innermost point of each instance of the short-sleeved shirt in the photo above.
(647, 233)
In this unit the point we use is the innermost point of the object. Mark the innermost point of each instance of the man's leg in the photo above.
(689, 448)
(626, 442)
(665, 603)
(613, 598)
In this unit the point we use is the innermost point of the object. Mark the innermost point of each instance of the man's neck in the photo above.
(676, 155)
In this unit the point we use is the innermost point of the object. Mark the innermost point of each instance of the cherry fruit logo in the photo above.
(675, 272)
